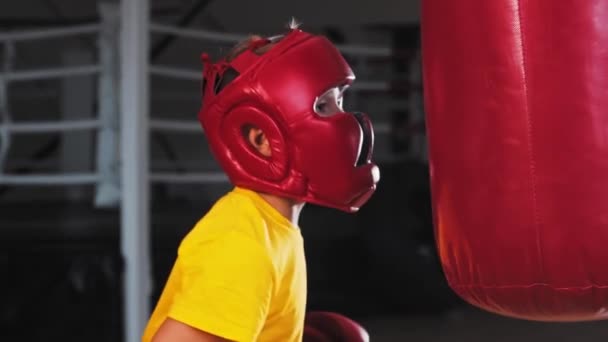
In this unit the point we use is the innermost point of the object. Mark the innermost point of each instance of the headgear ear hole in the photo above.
(246, 131)
(236, 123)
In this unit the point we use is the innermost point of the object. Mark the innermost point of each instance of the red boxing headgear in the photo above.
(320, 160)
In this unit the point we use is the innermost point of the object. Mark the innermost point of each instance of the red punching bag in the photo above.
(516, 95)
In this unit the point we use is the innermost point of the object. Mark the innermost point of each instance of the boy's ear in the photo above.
(259, 141)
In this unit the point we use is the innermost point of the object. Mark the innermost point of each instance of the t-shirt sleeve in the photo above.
(226, 287)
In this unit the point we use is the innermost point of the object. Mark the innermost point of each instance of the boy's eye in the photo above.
(329, 103)
(320, 107)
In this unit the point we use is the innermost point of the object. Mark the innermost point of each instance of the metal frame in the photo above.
(134, 175)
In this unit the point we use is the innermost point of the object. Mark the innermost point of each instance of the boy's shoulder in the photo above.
(231, 214)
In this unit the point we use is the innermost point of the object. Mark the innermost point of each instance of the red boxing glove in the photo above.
(332, 327)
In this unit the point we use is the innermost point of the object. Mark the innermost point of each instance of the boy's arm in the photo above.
(225, 290)
(172, 330)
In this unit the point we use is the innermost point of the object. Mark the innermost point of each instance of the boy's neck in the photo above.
(288, 208)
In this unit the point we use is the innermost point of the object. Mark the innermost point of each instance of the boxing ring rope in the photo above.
(189, 178)
(159, 70)
(179, 73)
(50, 127)
(190, 75)
(5, 114)
(50, 33)
(354, 50)
(41, 179)
(9, 127)
(52, 73)
(197, 33)
(175, 126)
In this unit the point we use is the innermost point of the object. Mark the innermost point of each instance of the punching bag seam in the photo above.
(532, 160)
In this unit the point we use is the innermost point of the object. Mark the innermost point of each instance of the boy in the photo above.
(272, 113)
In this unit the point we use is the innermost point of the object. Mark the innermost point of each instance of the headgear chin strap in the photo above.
(320, 160)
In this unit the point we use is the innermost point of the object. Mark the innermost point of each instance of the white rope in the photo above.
(198, 34)
(45, 127)
(167, 71)
(49, 33)
(189, 178)
(194, 165)
(172, 125)
(197, 165)
(195, 127)
(52, 73)
(353, 50)
(5, 113)
(46, 179)
(190, 75)
(365, 51)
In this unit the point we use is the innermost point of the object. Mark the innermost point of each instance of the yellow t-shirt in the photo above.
(240, 274)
